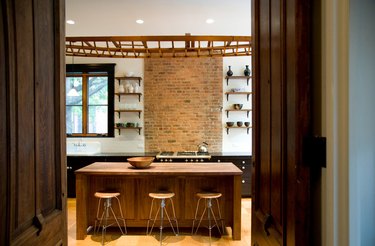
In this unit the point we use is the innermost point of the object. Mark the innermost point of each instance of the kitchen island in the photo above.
(184, 179)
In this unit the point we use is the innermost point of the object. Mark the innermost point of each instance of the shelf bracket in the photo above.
(227, 81)
(139, 95)
(247, 81)
(139, 82)
(139, 131)
(248, 130)
(227, 97)
(118, 114)
(119, 131)
(248, 95)
(227, 131)
(248, 113)
(228, 114)
(139, 115)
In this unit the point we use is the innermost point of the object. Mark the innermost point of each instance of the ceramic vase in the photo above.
(247, 71)
(229, 72)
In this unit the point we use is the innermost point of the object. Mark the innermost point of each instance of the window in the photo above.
(90, 100)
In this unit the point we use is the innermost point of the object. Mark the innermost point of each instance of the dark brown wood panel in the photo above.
(281, 116)
(23, 170)
(45, 116)
(3, 131)
(263, 93)
(277, 110)
(33, 151)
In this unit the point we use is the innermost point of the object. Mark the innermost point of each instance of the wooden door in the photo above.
(32, 140)
(281, 120)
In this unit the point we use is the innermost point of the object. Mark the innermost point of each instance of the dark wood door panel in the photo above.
(32, 146)
(281, 116)
(45, 120)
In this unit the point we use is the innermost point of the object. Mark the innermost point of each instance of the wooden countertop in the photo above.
(191, 169)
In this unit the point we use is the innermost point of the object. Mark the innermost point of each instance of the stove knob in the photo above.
(201, 160)
(161, 160)
(170, 160)
(196, 160)
(186, 160)
(191, 160)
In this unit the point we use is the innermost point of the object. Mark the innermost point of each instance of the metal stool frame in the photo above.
(107, 206)
(208, 208)
(162, 209)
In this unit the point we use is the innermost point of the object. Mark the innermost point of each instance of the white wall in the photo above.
(362, 122)
(348, 198)
(237, 140)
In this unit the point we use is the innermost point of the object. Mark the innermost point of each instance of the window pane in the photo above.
(73, 119)
(73, 88)
(98, 90)
(98, 117)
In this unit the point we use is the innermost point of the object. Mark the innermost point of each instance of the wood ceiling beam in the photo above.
(158, 46)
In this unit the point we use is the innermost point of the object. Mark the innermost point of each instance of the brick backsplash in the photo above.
(182, 100)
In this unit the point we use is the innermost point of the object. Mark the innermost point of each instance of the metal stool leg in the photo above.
(221, 218)
(195, 216)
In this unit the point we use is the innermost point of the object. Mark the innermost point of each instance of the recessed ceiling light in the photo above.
(139, 21)
(70, 22)
(210, 21)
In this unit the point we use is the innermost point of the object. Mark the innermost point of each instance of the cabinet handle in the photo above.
(243, 167)
(243, 181)
(243, 162)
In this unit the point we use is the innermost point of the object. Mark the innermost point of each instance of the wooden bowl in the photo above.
(141, 162)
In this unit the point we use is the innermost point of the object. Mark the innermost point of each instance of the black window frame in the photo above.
(108, 68)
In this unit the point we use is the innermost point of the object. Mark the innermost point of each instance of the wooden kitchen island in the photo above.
(184, 179)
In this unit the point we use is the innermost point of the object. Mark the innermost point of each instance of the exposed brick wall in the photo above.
(182, 100)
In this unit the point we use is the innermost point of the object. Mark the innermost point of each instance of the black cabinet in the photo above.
(243, 163)
(76, 162)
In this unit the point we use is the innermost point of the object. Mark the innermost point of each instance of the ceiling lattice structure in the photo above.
(158, 46)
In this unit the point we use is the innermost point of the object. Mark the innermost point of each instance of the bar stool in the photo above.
(162, 197)
(107, 206)
(208, 197)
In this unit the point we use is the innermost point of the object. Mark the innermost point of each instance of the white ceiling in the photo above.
(161, 17)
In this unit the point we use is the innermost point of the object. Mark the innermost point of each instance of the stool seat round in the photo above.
(208, 195)
(161, 195)
(106, 194)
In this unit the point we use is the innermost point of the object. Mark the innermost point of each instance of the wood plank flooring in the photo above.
(134, 238)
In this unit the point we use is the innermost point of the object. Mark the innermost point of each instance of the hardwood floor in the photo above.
(185, 238)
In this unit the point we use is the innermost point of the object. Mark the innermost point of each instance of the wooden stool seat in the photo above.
(208, 195)
(161, 195)
(106, 194)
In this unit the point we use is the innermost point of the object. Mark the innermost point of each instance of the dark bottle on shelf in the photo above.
(247, 71)
(229, 72)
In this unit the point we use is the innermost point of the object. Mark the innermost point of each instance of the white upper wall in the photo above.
(161, 17)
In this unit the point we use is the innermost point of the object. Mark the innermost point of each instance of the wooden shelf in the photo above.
(119, 111)
(238, 77)
(238, 110)
(119, 94)
(238, 93)
(129, 78)
(129, 128)
(238, 127)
